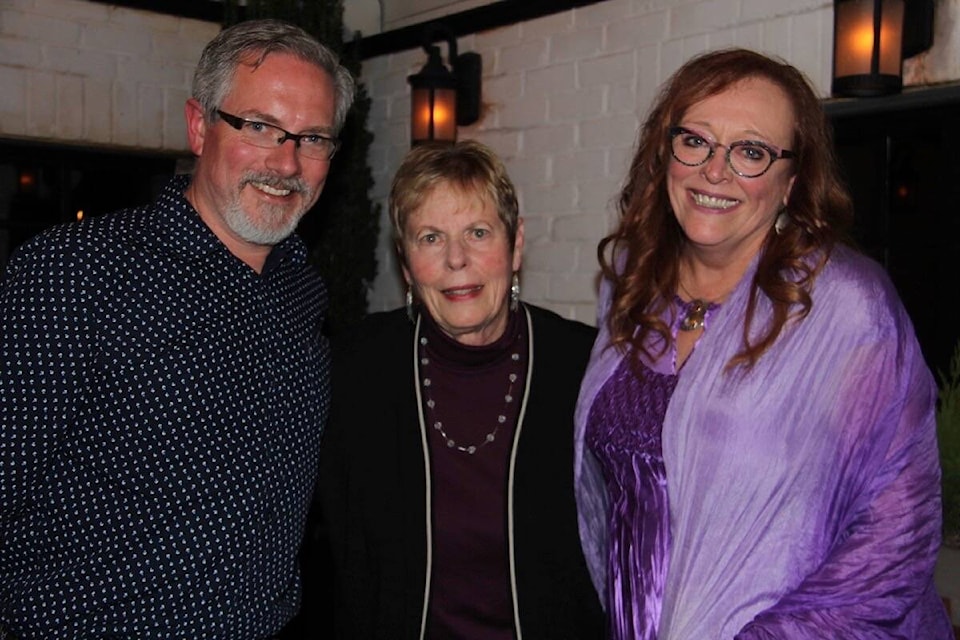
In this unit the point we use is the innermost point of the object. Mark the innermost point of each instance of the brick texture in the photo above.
(83, 72)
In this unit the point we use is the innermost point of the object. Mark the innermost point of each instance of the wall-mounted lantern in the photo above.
(441, 99)
(870, 40)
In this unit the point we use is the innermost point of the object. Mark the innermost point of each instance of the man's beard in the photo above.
(273, 223)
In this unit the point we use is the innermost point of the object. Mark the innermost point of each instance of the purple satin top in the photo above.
(623, 432)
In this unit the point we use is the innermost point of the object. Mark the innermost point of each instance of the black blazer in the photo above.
(372, 486)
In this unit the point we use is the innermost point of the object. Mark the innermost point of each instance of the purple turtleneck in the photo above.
(470, 582)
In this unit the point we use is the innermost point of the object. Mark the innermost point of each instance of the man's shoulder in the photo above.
(101, 239)
(98, 230)
(75, 248)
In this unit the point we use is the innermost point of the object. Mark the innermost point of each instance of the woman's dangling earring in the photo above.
(409, 301)
(515, 292)
(782, 221)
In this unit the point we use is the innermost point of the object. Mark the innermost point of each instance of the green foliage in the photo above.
(948, 439)
(341, 230)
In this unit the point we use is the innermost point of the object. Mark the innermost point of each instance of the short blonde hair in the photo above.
(468, 166)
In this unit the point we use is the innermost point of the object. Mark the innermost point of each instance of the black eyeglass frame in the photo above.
(237, 123)
(775, 154)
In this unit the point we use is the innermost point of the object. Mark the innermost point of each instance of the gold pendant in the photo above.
(694, 318)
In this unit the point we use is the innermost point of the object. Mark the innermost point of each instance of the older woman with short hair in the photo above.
(447, 468)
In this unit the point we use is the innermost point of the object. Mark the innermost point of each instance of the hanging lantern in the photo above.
(433, 101)
(441, 99)
(871, 38)
(867, 47)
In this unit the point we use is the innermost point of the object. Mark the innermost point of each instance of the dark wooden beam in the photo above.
(491, 16)
(209, 10)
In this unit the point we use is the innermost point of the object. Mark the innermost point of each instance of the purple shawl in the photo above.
(804, 494)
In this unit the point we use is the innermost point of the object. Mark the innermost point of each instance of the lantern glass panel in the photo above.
(855, 37)
(891, 38)
(433, 115)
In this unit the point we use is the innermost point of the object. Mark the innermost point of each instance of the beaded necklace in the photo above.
(431, 405)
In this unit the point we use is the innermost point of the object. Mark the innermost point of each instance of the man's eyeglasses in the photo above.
(270, 136)
(747, 158)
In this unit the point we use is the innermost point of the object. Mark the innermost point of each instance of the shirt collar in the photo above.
(177, 227)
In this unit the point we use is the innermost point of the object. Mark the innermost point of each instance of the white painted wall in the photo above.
(364, 16)
(90, 73)
(371, 17)
(400, 13)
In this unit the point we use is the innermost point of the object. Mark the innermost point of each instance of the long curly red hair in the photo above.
(641, 257)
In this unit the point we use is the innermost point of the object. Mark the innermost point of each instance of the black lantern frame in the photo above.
(870, 40)
(442, 99)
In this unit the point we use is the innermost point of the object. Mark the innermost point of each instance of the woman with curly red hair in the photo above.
(756, 452)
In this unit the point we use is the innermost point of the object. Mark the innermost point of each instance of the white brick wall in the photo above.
(564, 96)
(90, 73)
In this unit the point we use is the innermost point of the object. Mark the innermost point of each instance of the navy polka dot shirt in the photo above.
(161, 406)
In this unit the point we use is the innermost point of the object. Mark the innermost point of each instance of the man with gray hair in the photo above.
(163, 379)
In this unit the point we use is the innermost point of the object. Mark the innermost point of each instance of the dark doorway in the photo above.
(900, 158)
(45, 185)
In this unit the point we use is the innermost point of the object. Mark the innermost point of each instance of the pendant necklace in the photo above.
(696, 311)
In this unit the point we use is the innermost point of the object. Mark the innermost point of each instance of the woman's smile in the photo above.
(713, 202)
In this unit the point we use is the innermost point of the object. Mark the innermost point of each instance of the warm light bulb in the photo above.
(862, 41)
(79, 215)
(441, 115)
